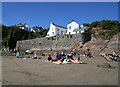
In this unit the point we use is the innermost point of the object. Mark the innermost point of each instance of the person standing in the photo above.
(14, 52)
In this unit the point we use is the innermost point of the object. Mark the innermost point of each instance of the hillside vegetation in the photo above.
(104, 29)
(12, 34)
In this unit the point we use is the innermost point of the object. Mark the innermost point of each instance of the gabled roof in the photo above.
(21, 25)
(73, 21)
(58, 25)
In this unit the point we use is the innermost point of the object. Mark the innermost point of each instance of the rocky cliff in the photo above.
(98, 46)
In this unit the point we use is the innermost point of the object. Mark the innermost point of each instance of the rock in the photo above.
(105, 65)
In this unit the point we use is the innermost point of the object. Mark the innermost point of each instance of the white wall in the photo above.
(60, 31)
(51, 30)
(73, 25)
(57, 30)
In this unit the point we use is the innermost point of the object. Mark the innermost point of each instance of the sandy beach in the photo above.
(16, 71)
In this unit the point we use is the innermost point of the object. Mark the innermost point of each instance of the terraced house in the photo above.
(72, 28)
(56, 30)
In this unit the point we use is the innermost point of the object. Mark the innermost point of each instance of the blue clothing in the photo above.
(55, 53)
(17, 54)
(58, 56)
(77, 53)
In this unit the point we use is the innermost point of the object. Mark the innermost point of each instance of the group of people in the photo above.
(62, 58)
(87, 53)
(111, 57)
(17, 54)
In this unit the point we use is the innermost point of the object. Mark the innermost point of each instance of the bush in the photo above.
(94, 24)
(70, 36)
(112, 26)
(48, 38)
(109, 25)
(86, 24)
(52, 38)
(67, 36)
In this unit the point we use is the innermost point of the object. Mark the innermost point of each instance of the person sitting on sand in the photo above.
(35, 56)
(116, 54)
(75, 61)
(113, 53)
(90, 55)
(18, 54)
(43, 54)
(77, 53)
(107, 58)
(62, 55)
(55, 53)
(86, 53)
(58, 56)
(49, 58)
(70, 56)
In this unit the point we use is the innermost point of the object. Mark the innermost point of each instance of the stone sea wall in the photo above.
(54, 43)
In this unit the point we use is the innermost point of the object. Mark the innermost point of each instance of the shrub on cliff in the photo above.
(94, 24)
(106, 29)
(86, 25)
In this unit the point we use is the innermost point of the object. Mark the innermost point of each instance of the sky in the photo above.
(60, 13)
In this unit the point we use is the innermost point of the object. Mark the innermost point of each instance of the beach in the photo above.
(16, 71)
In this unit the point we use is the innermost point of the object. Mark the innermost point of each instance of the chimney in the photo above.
(72, 20)
(52, 22)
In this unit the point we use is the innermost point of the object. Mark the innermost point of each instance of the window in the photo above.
(52, 33)
(47, 34)
(52, 29)
(61, 32)
(57, 29)
(69, 27)
(69, 32)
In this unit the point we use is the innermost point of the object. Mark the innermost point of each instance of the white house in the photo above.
(83, 29)
(56, 30)
(73, 28)
(25, 26)
(35, 29)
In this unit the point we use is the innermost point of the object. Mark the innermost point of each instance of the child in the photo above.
(35, 56)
